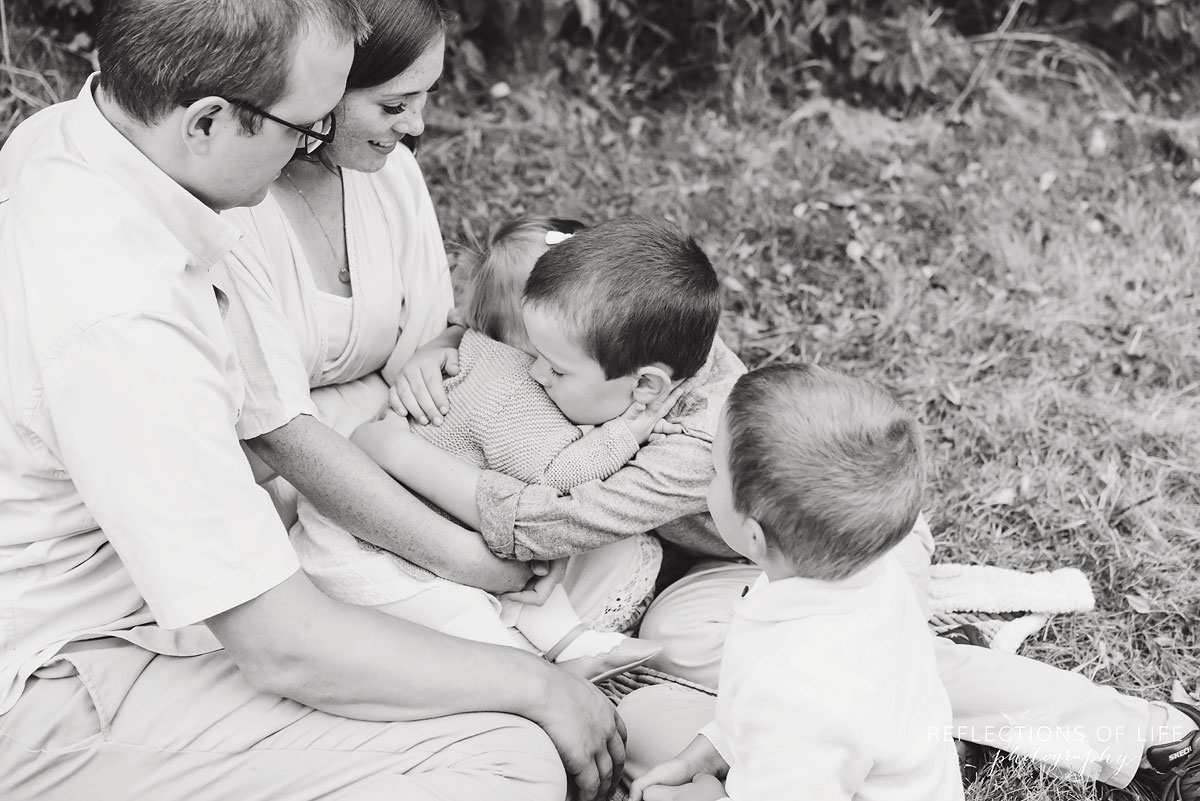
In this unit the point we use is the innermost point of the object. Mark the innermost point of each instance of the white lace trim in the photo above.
(628, 601)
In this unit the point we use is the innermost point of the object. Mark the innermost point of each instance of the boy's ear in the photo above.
(653, 383)
(756, 541)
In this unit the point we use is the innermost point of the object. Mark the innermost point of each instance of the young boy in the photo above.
(828, 688)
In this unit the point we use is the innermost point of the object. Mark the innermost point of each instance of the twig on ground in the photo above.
(985, 62)
(5, 53)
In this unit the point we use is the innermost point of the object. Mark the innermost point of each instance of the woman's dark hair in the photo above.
(401, 30)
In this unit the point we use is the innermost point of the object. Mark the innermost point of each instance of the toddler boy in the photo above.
(828, 686)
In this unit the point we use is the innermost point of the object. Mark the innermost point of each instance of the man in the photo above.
(134, 543)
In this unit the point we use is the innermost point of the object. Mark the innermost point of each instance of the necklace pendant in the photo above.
(344, 275)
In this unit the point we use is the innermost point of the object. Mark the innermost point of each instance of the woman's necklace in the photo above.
(343, 273)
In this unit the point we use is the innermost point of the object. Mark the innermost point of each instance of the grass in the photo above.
(1035, 305)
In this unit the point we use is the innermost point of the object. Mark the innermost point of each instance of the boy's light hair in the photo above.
(830, 466)
(632, 291)
(497, 279)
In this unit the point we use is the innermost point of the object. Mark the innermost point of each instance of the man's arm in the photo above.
(354, 492)
(357, 662)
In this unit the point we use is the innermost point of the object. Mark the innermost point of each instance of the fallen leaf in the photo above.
(1097, 144)
(1005, 496)
(1138, 604)
(951, 393)
(1180, 694)
(733, 284)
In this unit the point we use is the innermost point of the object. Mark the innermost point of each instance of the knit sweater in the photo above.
(501, 419)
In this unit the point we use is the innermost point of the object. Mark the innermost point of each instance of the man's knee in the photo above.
(531, 761)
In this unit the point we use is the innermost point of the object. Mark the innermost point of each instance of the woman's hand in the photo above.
(417, 390)
(546, 576)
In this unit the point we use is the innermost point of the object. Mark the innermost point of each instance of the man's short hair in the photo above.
(156, 55)
(830, 466)
(633, 291)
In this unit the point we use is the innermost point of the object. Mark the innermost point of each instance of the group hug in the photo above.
(281, 517)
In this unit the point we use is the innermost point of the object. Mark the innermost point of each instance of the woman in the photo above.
(347, 247)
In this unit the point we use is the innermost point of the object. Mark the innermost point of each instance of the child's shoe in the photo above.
(1174, 772)
(598, 656)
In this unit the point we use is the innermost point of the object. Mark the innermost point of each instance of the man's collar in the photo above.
(200, 229)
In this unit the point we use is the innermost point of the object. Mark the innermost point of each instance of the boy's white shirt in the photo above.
(829, 691)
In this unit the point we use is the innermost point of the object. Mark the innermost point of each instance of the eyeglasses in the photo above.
(316, 136)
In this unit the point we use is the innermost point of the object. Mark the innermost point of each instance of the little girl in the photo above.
(500, 419)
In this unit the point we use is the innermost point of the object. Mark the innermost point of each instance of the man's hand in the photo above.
(705, 787)
(417, 390)
(588, 733)
(546, 576)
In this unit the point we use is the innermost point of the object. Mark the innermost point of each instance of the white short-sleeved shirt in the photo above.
(830, 690)
(126, 505)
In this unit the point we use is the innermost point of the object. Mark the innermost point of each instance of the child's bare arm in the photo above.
(444, 479)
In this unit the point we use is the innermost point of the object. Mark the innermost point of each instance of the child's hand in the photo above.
(417, 390)
(705, 787)
(546, 576)
(671, 773)
(646, 419)
(392, 428)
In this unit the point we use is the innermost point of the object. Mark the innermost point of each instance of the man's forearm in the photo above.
(361, 663)
(343, 483)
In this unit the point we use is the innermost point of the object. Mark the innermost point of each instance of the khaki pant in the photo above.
(112, 721)
(1067, 723)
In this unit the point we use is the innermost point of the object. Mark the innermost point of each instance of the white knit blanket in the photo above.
(982, 590)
